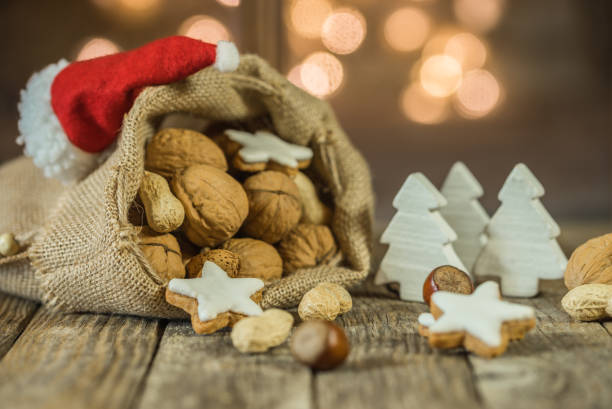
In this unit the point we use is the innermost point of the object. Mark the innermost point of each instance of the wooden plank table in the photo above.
(105, 361)
(58, 361)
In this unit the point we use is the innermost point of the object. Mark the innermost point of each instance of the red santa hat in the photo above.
(70, 113)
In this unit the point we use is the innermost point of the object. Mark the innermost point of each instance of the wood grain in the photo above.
(522, 246)
(197, 371)
(391, 366)
(608, 326)
(561, 364)
(464, 213)
(99, 361)
(419, 238)
(15, 313)
(77, 360)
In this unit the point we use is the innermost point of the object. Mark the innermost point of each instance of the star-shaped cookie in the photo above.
(264, 150)
(481, 321)
(215, 300)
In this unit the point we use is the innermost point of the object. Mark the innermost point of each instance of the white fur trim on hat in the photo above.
(228, 57)
(43, 136)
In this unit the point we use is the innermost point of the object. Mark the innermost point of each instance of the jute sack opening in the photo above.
(84, 254)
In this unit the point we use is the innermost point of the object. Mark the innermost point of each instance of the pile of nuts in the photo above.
(588, 278)
(203, 202)
(200, 206)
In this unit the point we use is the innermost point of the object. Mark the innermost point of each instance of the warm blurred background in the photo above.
(416, 84)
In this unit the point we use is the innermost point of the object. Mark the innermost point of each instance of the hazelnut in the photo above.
(172, 150)
(591, 263)
(308, 245)
(228, 261)
(258, 259)
(319, 344)
(447, 278)
(274, 206)
(325, 302)
(215, 204)
(163, 253)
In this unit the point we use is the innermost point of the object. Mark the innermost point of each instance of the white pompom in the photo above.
(227, 58)
(43, 136)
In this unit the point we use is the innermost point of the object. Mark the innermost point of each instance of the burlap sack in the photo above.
(83, 254)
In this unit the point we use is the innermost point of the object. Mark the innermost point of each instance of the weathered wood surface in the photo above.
(85, 360)
(561, 364)
(391, 366)
(78, 361)
(15, 313)
(194, 371)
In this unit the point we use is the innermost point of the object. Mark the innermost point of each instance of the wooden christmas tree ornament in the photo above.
(521, 247)
(419, 239)
(464, 213)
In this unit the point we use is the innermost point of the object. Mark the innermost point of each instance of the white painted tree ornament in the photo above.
(522, 246)
(464, 213)
(419, 239)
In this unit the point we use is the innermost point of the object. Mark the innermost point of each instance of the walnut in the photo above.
(313, 210)
(591, 263)
(274, 206)
(308, 245)
(188, 249)
(172, 150)
(228, 261)
(257, 258)
(163, 253)
(215, 204)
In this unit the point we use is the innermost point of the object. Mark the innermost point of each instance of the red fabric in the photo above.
(91, 97)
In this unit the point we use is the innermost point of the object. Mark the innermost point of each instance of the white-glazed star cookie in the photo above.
(215, 300)
(481, 321)
(264, 150)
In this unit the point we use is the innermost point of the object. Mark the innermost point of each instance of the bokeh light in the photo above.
(133, 10)
(343, 31)
(306, 17)
(421, 107)
(295, 76)
(229, 3)
(467, 49)
(97, 47)
(479, 15)
(205, 28)
(139, 5)
(436, 44)
(406, 29)
(321, 74)
(440, 75)
(478, 94)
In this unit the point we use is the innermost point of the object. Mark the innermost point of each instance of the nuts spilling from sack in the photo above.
(247, 201)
